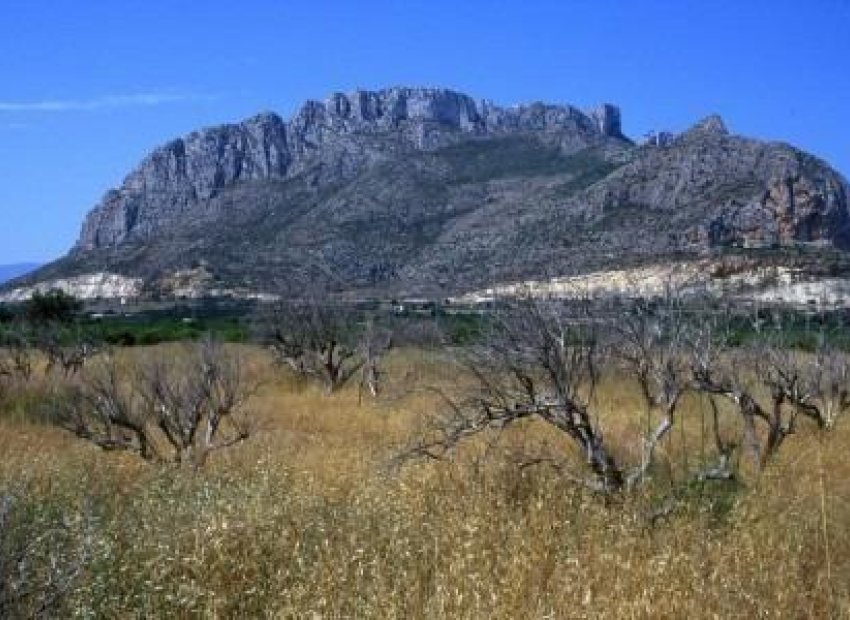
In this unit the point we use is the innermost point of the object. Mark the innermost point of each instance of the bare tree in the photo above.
(537, 363)
(542, 361)
(770, 384)
(180, 408)
(314, 339)
(65, 350)
(198, 405)
(17, 353)
(829, 381)
(374, 343)
(106, 409)
(648, 340)
(325, 341)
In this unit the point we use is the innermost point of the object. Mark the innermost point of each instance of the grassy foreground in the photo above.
(310, 518)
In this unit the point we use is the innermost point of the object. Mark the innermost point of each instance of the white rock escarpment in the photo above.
(89, 286)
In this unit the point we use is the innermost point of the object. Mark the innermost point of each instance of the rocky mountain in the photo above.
(412, 191)
(326, 143)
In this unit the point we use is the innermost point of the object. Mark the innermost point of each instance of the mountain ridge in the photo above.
(192, 169)
(428, 191)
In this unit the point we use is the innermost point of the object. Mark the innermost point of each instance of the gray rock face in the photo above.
(332, 141)
(607, 118)
(746, 192)
(792, 209)
(183, 173)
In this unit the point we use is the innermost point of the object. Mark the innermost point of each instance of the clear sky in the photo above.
(88, 87)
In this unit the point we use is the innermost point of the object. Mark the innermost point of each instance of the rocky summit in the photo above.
(421, 191)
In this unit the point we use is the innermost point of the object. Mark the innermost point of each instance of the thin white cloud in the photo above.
(99, 103)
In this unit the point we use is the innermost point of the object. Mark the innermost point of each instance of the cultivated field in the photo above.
(313, 516)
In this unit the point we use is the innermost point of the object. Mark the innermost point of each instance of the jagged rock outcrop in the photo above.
(607, 118)
(744, 192)
(332, 140)
(712, 125)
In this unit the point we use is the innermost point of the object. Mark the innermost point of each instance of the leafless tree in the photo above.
(648, 341)
(770, 385)
(542, 361)
(538, 363)
(70, 356)
(374, 343)
(180, 408)
(17, 353)
(314, 338)
(829, 381)
(198, 405)
(324, 341)
(105, 408)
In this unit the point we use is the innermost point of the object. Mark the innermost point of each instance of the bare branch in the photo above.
(193, 403)
(536, 363)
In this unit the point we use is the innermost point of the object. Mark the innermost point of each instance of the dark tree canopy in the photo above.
(53, 306)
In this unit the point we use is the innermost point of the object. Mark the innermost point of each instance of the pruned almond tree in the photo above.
(17, 353)
(772, 386)
(325, 342)
(536, 363)
(543, 362)
(180, 408)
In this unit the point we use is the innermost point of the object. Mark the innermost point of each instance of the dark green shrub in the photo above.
(53, 306)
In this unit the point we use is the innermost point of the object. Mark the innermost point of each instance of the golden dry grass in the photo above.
(308, 520)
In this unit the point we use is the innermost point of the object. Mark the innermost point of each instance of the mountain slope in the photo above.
(426, 191)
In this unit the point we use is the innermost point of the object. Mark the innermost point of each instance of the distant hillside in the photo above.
(10, 272)
(411, 191)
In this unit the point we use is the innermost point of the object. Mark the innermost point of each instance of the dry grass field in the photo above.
(312, 518)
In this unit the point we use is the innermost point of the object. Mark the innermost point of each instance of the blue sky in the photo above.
(88, 88)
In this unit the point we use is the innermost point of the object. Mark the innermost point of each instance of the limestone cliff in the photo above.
(331, 141)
